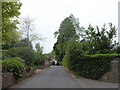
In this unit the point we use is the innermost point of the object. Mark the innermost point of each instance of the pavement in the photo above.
(59, 77)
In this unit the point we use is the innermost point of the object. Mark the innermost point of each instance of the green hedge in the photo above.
(14, 65)
(90, 66)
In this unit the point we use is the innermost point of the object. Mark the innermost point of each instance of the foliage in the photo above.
(39, 59)
(51, 55)
(39, 48)
(25, 53)
(30, 56)
(72, 51)
(39, 56)
(80, 31)
(10, 13)
(26, 29)
(23, 43)
(5, 55)
(65, 33)
(14, 65)
(100, 41)
(118, 49)
(90, 66)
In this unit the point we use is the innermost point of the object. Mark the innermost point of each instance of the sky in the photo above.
(48, 14)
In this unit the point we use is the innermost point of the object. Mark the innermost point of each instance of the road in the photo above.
(53, 77)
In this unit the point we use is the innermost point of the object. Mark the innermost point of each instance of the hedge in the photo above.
(14, 65)
(90, 66)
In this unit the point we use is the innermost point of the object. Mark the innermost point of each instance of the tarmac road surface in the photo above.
(53, 77)
(59, 77)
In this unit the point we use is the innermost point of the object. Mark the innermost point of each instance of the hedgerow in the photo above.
(88, 66)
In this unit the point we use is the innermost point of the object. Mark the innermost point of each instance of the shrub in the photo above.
(92, 66)
(88, 66)
(118, 49)
(72, 51)
(25, 53)
(39, 59)
(14, 65)
(5, 55)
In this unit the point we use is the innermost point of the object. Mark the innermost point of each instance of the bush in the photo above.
(92, 66)
(14, 65)
(39, 59)
(72, 51)
(5, 55)
(118, 49)
(25, 53)
(88, 66)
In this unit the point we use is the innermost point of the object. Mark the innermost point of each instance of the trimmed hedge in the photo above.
(90, 66)
(14, 65)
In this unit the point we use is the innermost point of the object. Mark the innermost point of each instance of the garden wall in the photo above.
(112, 75)
(9, 79)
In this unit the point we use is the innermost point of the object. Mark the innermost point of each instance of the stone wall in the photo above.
(9, 79)
(112, 75)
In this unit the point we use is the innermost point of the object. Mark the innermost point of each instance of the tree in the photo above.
(118, 49)
(73, 51)
(38, 48)
(10, 13)
(100, 41)
(23, 43)
(65, 33)
(40, 57)
(56, 34)
(80, 31)
(27, 28)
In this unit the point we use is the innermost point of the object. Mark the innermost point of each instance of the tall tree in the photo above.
(65, 33)
(80, 31)
(27, 30)
(10, 13)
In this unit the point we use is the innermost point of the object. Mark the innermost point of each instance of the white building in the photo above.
(119, 21)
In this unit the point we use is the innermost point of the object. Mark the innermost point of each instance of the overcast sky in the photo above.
(48, 15)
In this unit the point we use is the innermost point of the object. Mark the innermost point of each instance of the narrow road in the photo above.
(53, 77)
